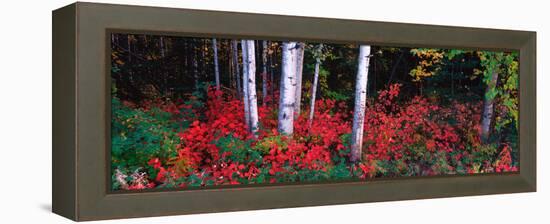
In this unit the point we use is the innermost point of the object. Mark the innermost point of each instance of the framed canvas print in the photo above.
(201, 111)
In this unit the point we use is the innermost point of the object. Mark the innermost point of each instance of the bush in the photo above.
(137, 135)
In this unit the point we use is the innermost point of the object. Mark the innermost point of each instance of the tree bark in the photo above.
(251, 83)
(130, 70)
(394, 68)
(195, 68)
(488, 109)
(360, 100)
(236, 65)
(264, 72)
(299, 68)
(245, 81)
(162, 53)
(203, 49)
(216, 68)
(287, 89)
(314, 86)
(164, 74)
(271, 68)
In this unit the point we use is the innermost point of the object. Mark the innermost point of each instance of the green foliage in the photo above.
(139, 135)
(452, 53)
(238, 150)
(490, 61)
(485, 153)
(339, 172)
(506, 66)
(336, 95)
(509, 92)
(200, 94)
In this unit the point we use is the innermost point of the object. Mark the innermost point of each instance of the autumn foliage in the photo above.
(167, 144)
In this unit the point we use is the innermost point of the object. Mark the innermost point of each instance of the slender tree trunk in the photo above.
(216, 68)
(251, 86)
(231, 72)
(287, 89)
(165, 75)
(314, 86)
(162, 47)
(360, 100)
(394, 69)
(130, 48)
(204, 68)
(264, 72)
(299, 68)
(271, 68)
(195, 68)
(236, 65)
(488, 109)
(452, 80)
(375, 74)
(187, 67)
(244, 47)
(130, 70)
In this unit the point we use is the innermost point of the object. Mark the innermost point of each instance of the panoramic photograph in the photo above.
(192, 112)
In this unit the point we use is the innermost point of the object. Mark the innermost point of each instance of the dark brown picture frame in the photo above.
(81, 110)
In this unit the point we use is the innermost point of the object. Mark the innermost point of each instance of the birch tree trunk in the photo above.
(287, 89)
(314, 86)
(299, 68)
(264, 72)
(245, 86)
(216, 68)
(488, 109)
(236, 65)
(251, 86)
(360, 100)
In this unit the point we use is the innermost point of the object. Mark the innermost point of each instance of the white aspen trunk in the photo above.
(299, 68)
(488, 110)
(314, 87)
(245, 86)
(264, 72)
(216, 68)
(287, 89)
(360, 100)
(251, 83)
(236, 65)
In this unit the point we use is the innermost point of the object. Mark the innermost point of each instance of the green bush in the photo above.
(139, 135)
